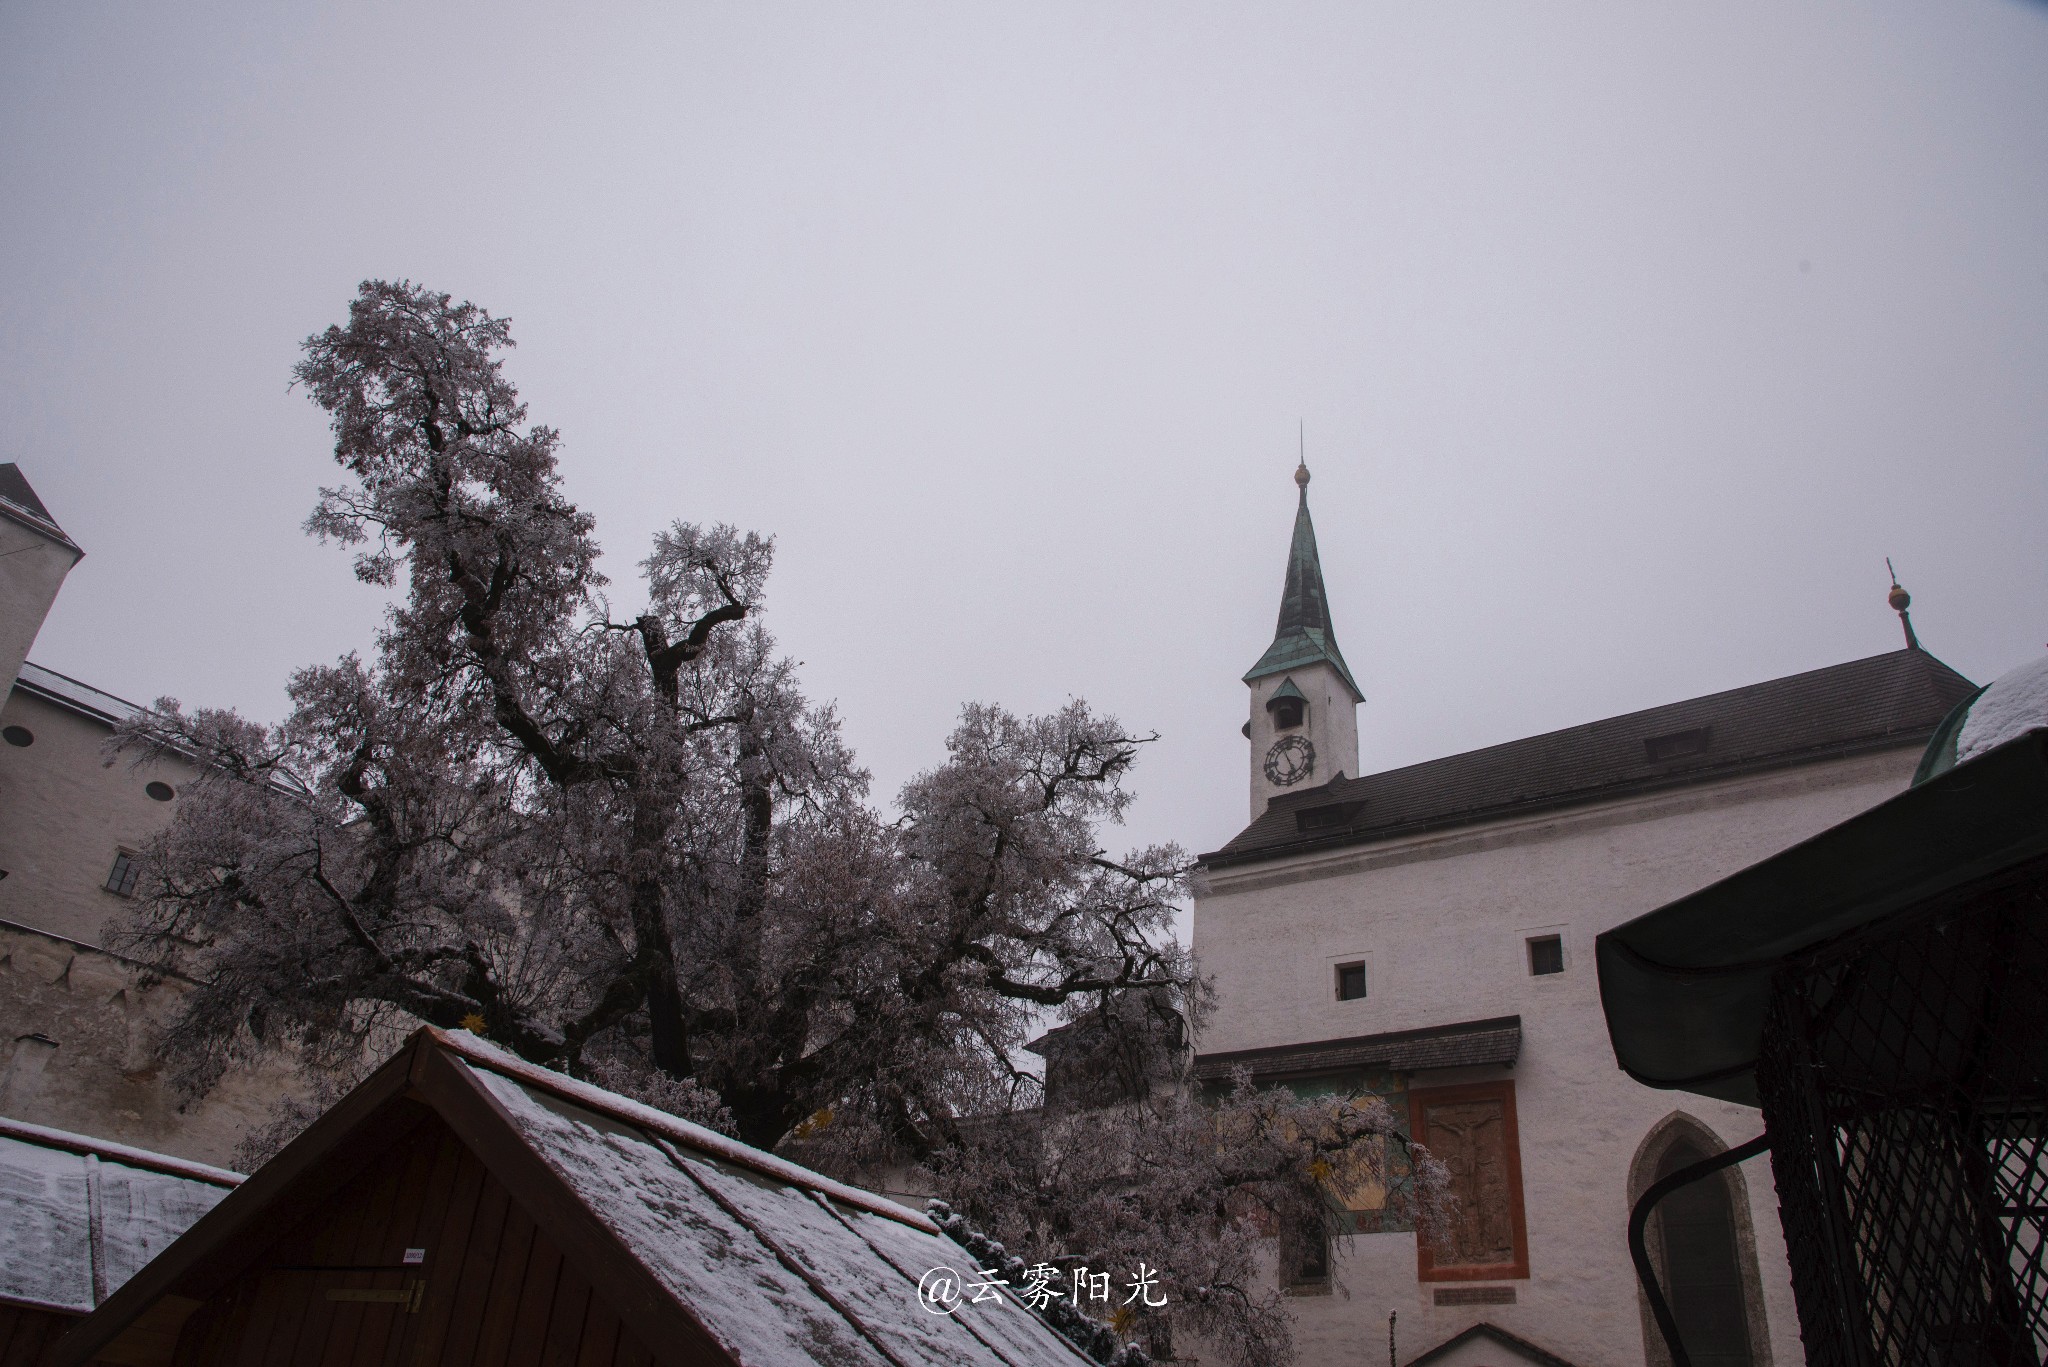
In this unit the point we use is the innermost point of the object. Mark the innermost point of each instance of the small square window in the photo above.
(1546, 955)
(121, 879)
(1350, 982)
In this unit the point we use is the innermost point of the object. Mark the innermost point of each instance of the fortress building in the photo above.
(79, 1023)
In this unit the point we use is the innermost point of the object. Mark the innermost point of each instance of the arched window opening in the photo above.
(1704, 1280)
(1703, 1246)
(1289, 713)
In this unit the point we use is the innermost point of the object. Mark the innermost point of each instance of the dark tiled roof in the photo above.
(1464, 1045)
(1886, 700)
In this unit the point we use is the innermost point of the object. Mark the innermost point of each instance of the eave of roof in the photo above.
(1883, 702)
(124, 1154)
(19, 504)
(1483, 1330)
(75, 696)
(1685, 987)
(1496, 1041)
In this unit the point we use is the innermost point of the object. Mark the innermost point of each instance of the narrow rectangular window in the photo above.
(122, 877)
(1350, 982)
(1305, 1259)
(1546, 955)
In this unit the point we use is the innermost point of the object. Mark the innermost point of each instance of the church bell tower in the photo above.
(1304, 704)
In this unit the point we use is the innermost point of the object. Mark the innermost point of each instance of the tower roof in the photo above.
(1304, 634)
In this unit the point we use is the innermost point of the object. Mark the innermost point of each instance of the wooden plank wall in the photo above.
(496, 1291)
(26, 1331)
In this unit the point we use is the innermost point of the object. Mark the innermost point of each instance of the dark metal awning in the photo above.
(1497, 1041)
(1684, 987)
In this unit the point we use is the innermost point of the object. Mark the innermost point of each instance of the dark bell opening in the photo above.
(1288, 713)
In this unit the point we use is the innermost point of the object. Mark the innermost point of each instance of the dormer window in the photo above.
(1678, 744)
(1288, 706)
(1331, 816)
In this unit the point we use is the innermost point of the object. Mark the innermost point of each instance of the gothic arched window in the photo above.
(1703, 1249)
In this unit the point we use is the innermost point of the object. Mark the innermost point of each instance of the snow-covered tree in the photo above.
(628, 847)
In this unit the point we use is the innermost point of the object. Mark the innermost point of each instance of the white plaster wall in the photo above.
(64, 814)
(1443, 919)
(1332, 729)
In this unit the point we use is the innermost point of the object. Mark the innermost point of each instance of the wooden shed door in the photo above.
(342, 1317)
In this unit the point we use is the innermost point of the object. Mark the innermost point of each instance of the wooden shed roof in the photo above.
(709, 1251)
(80, 1215)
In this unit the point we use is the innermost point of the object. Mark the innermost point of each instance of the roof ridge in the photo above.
(1717, 695)
(127, 1155)
(476, 1050)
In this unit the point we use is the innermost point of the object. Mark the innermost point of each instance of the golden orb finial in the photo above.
(1301, 475)
(1900, 601)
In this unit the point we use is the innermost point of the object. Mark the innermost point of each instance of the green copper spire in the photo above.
(1304, 634)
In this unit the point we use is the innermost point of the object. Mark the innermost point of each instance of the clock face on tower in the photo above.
(1290, 761)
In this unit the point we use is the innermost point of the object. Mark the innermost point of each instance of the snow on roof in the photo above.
(783, 1266)
(78, 696)
(479, 1050)
(2014, 704)
(82, 1215)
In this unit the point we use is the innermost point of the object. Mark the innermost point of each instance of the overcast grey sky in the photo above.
(1629, 338)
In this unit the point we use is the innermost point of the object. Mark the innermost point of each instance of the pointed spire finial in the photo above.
(1301, 470)
(1900, 600)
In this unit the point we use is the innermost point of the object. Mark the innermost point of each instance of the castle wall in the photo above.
(79, 1025)
(78, 1030)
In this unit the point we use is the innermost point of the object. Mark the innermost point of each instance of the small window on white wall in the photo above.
(1546, 955)
(1350, 981)
(121, 879)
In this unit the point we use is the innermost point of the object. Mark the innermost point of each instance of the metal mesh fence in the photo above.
(1904, 1079)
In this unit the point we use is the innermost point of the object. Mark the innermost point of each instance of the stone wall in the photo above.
(78, 1033)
